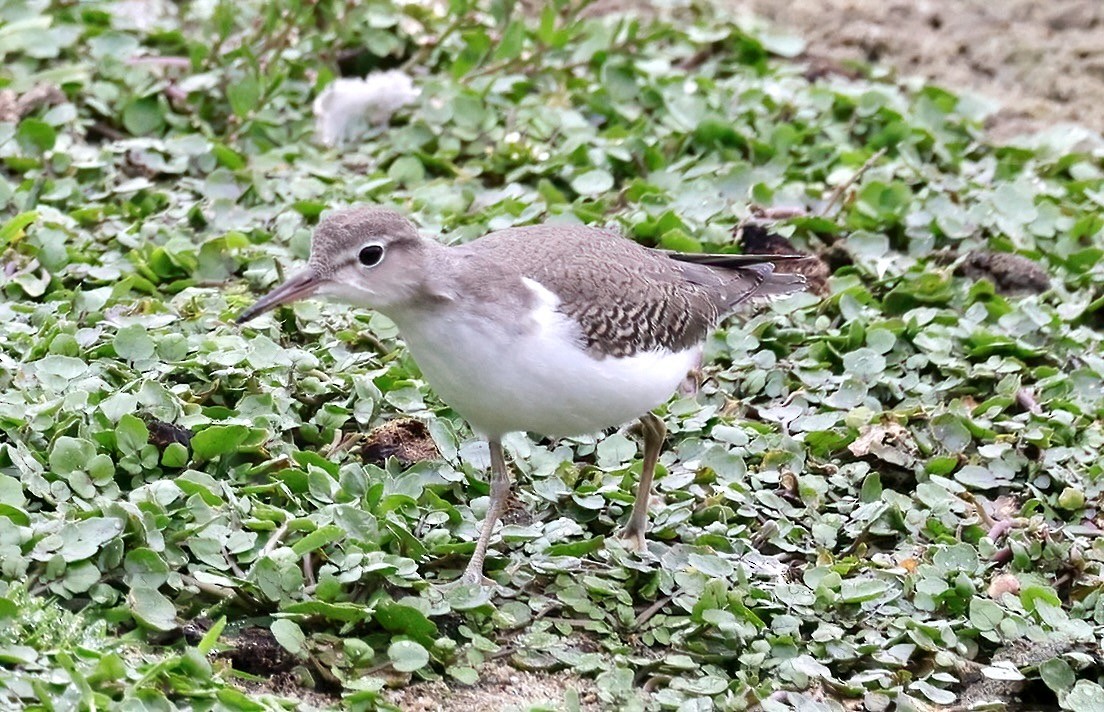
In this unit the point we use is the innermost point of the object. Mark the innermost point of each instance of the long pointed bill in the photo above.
(298, 286)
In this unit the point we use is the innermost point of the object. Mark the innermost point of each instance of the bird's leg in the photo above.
(500, 493)
(654, 432)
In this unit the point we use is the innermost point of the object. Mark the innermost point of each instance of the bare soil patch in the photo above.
(500, 688)
(1043, 61)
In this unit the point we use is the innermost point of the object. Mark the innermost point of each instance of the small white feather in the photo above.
(347, 106)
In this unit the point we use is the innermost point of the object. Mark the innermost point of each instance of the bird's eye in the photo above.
(370, 255)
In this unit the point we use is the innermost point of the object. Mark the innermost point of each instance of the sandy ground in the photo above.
(1043, 60)
(500, 688)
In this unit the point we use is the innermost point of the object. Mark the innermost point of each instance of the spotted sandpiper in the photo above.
(553, 329)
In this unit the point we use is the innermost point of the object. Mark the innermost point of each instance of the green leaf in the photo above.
(476, 44)
(317, 539)
(951, 432)
(871, 488)
(593, 182)
(984, 614)
(84, 539)
(957, 558)
(243, 95)
(175, 455)
(1030, 594)
(151, 609)
(207, 643)
(407, 171)
(142, 117)
(133, 343)
(859, 590)
(71, 454)
(146, 568)
(290, 636)
(513, 38)
(865, 363)
(1085, 696)
(11, 492)
(463, 675)
(216, 440)
(131, 434)
(407, 656)
(406, 620)
(782, 45)
(1057, 674)
(36, 136)
(13, 228)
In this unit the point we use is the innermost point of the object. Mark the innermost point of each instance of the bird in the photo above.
(555, 329)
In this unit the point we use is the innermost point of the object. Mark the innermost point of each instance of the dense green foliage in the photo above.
(888, 495)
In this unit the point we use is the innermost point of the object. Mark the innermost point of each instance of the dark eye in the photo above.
(370, 255)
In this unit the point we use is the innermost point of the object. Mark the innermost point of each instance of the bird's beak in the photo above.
(298, 286)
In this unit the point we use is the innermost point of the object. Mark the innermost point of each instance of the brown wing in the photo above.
(626, 298)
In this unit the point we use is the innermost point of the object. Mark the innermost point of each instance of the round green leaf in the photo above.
(289, 635)
(1057, 674)
(175, 455)
(592, 183)
(407, 656)
(218, 440)
(36, 136)
(131, 434)
(151, 609)
(134, 343)
(864, 363)
(71, 454)
(143, 116)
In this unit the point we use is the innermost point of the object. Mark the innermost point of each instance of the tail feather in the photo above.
(742, 278)
(730, 261)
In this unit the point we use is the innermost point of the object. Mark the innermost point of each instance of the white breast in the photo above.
(537, 378)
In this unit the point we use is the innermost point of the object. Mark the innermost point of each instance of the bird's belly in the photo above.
(539, 381)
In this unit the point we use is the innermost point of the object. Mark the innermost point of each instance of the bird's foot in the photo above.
(468, 578)
(634, 539)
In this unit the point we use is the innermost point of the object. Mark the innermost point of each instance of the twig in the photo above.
(650, 611)
(777, 212)
(233, 564)
(101, 129)
(1026, 400)
(842, 188)
(308, 569)
(209, 588)
(274, 540)
(182, 62)
(423, 52)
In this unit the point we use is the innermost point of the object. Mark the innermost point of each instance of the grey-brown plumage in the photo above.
(554, 329)
(625, 297)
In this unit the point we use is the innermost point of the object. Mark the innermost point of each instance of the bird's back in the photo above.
(626, 298)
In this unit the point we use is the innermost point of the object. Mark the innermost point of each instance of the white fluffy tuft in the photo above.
(347, 106)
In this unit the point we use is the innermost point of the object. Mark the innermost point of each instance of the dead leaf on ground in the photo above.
(406, 439)
(1010, 273)
(14, 106)
(891, 442)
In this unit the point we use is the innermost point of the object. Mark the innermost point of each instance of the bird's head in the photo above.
(366, 256)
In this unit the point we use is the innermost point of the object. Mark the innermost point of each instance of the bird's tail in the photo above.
(753, 277)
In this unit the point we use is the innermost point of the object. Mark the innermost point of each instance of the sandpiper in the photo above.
(553, 329)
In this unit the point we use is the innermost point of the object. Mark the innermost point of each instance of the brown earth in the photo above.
(1042, 60)
(500, 688)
